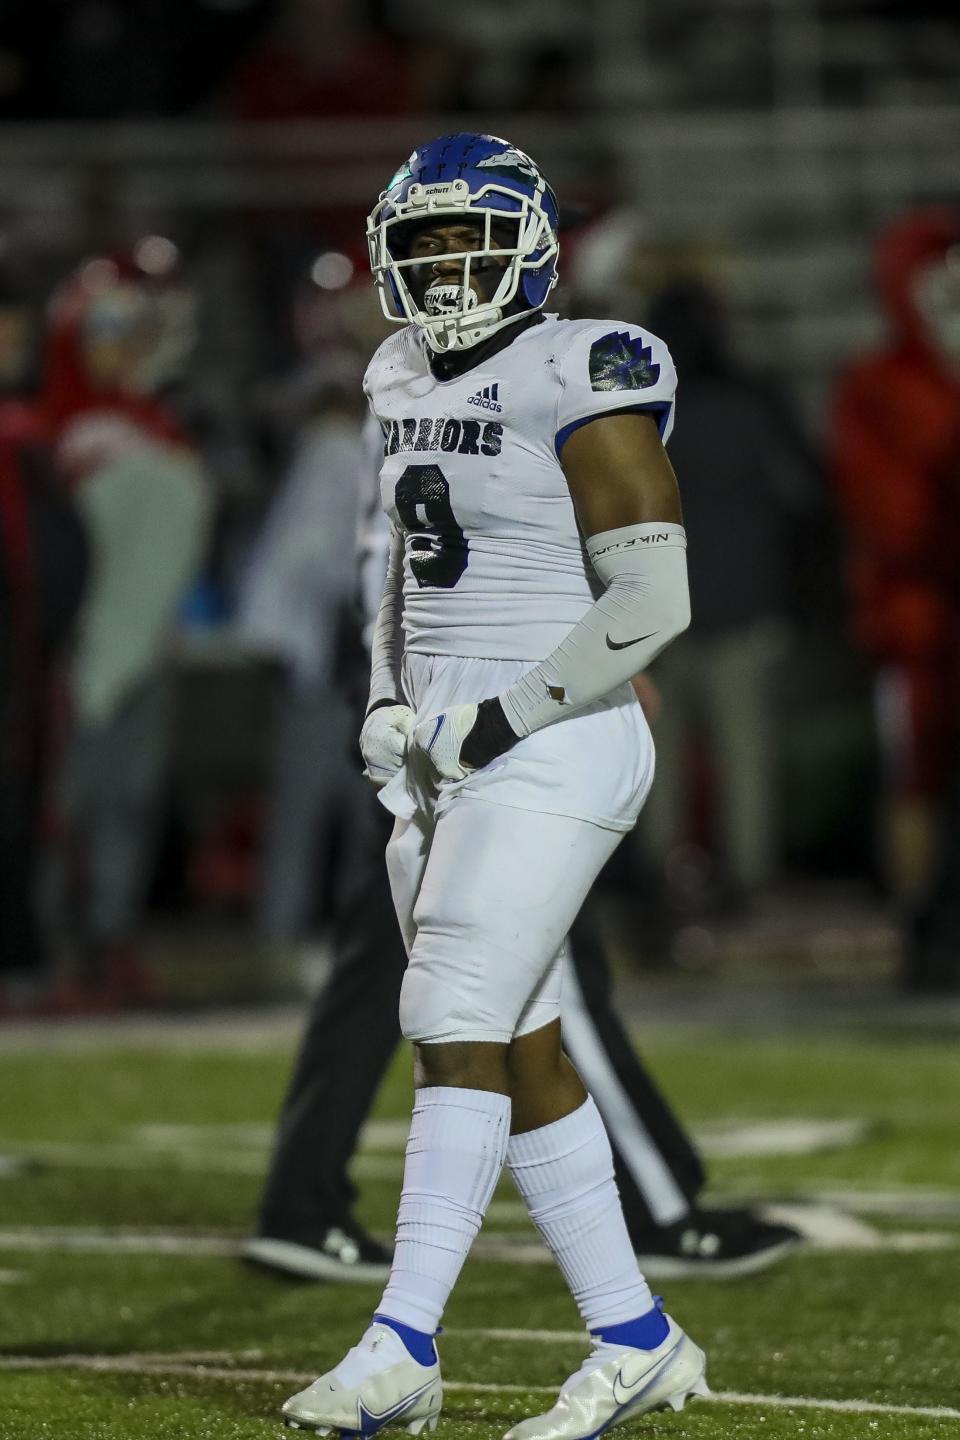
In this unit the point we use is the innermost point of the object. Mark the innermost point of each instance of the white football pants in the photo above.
(485, 895)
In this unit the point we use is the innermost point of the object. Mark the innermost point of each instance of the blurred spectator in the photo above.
(295, 607)
(746, 477)
(322, 58)
(896, 440)
(144, 502)
(42, 569)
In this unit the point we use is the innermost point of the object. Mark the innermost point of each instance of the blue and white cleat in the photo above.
(377, 1383)
(618, 1382)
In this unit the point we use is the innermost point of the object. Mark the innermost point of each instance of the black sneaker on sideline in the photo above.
(337, 1254)
(718, 1244)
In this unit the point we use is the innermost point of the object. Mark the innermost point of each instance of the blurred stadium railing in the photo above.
(783, 202)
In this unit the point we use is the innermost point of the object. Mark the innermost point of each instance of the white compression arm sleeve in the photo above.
(646, 604)
(386, 644)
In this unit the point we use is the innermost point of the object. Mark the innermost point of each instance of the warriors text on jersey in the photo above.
(494, 566)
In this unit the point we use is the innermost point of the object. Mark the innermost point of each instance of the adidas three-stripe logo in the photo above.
(488, 398)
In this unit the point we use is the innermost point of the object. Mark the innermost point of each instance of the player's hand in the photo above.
(464, 738)
(383, 741)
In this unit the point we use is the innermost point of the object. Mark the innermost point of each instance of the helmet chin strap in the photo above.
(444, 339)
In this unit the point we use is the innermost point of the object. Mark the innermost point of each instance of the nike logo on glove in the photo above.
(436, 731)
(625, 644)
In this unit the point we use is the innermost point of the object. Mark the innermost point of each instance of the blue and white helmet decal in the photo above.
(490, 180)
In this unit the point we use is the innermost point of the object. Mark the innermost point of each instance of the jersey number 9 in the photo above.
(439, 547)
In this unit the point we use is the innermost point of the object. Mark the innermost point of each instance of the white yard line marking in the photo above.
(126, 1157)
(511, 1249)
(507, 1212)
(826, 1228)
(908, 1202)
(175, 1365)
(789, 1135)
(239, 1135)
(90, 1241)
(536, 1337)
(854, 1407)
(178, 1365)
(243, 1148)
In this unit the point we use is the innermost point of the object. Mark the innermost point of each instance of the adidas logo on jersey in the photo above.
(488, 398)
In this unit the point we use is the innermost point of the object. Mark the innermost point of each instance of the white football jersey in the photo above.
(494, 565)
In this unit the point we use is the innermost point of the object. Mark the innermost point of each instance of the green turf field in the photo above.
(130, 1166)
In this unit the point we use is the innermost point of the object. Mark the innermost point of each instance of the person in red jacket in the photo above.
(141, 491)
(896, 441)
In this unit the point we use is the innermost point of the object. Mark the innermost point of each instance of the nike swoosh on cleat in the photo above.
(624, 1392)
(624, 644)
(370, 1423)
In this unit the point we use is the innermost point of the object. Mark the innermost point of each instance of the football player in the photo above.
(538, 562)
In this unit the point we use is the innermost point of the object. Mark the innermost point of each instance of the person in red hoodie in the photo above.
(896, 445)
(144, 500)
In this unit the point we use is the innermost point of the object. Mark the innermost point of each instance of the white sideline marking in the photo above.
(87, 1240)
(129, 1157)
(856, 1407)
(826, 1228)
(536, 1337)
(909, 1202)
(511, 1250)
(184, 1366)
(507, 1212)
(243, 1148)
(375, 1135)
(792, 1135)
(156, 1136)
(385, 1134)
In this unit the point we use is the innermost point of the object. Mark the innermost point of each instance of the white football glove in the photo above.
(383, 741)
(440, 737)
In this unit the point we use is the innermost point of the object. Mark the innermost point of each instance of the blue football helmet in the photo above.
(450, 178)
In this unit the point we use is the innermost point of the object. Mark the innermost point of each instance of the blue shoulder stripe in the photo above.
(658, 408)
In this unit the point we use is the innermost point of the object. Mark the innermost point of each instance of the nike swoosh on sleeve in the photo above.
(625, 644)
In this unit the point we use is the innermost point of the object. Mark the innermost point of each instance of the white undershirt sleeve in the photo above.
(386, 643)
(645, 605)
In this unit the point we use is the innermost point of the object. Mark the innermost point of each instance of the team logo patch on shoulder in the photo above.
(621, 361)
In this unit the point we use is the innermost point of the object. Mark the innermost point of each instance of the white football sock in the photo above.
(455, 1153)
(564, 1172)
